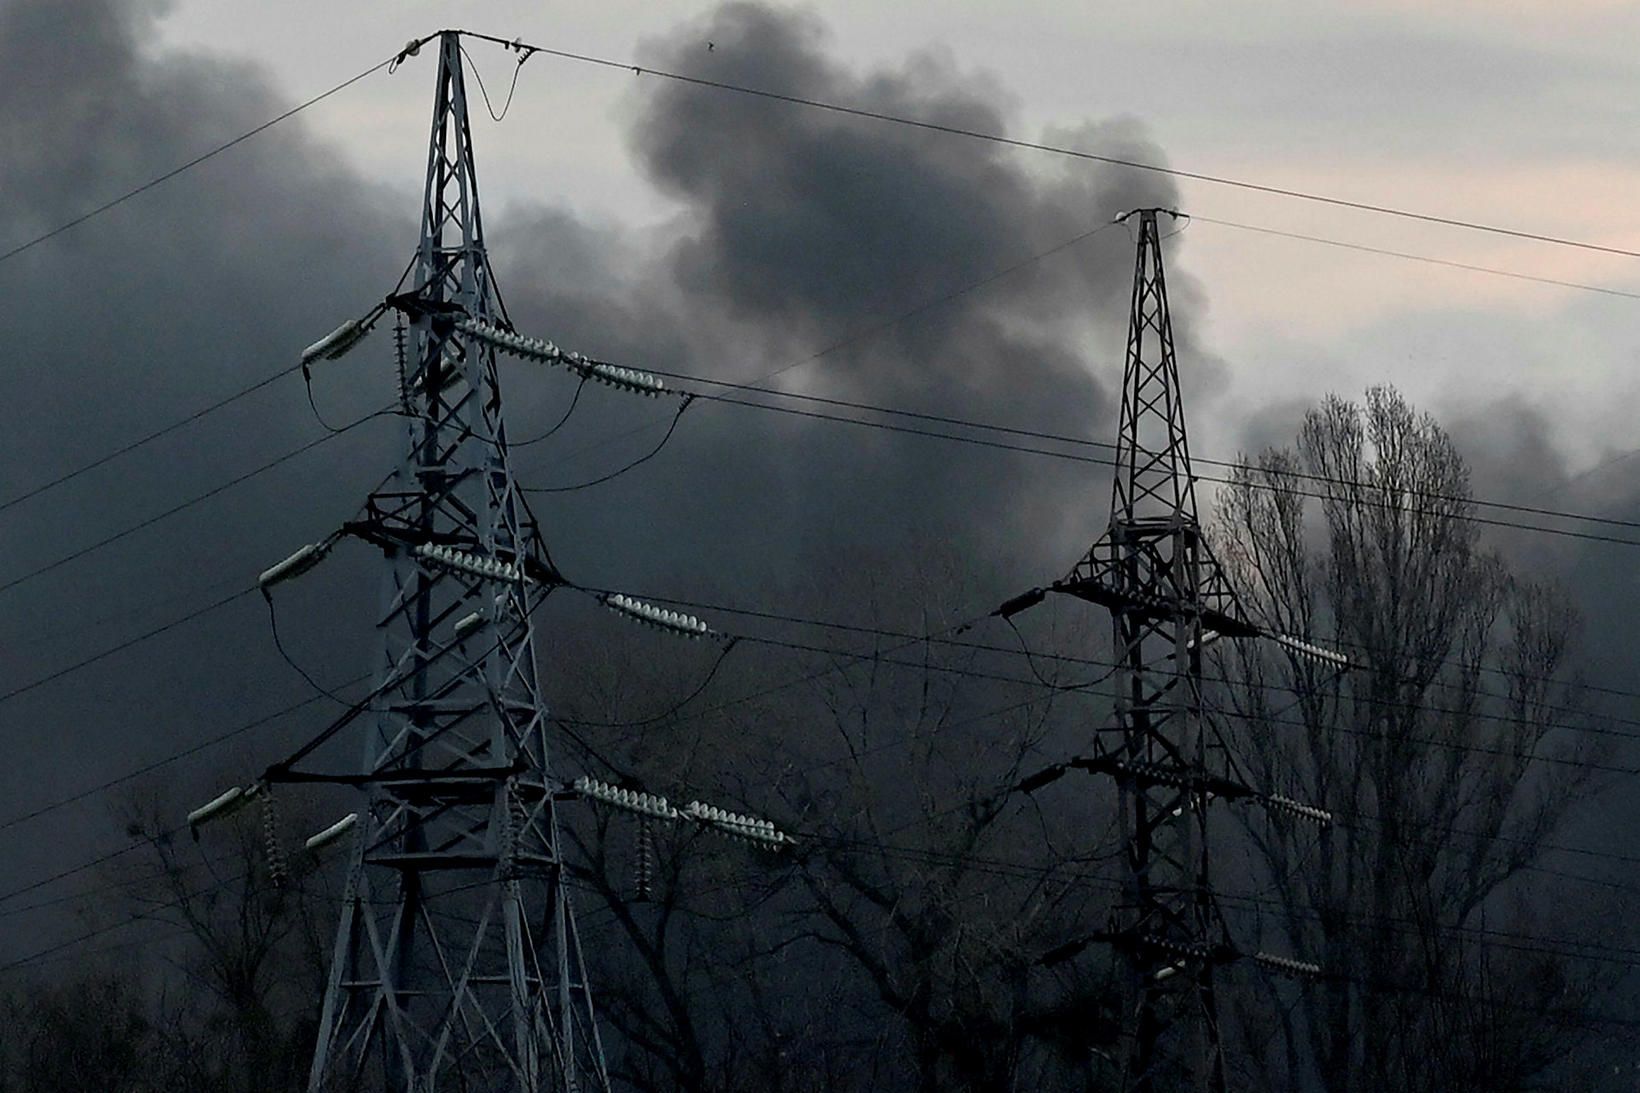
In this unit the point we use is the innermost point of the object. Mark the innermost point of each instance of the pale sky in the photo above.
(1522, 114)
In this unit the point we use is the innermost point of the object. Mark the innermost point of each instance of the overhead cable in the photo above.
(1074, 153)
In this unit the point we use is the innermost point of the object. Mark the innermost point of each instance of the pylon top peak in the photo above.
(1150, 212)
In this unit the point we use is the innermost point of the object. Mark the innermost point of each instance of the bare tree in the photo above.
(942, 887)
(1447, 754)
(213, 985)
(91, 1032)
(898, 945)
(253, 925)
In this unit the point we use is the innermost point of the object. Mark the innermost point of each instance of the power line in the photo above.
(981, 863)
(851, 339)
(1270, 487)
(6, 696)
(68, 476)
(121, 924)
(970, 862)
(1579, 950)
(875, 631)
(184, 505)
(1089, 662)
(850, 659)
(1075, 153)
(1569, 533)
(71, 897)
(195, 162)
(1037, 434)
(882, 657)
(149, 768)
(1449, 263)
(74, 870)
(1107, 462)
(1615, 954)
(1299, 475)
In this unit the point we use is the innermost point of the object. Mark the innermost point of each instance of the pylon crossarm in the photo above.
(1215, 624)
(427, 782)
(1150, 605)
(1135, 942)
(453, 552)
(284, 769)
(1201, 785)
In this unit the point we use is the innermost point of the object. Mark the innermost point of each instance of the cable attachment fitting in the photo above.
(295, 565)
(676, 621)
(223, 804)
(338, 342)
(318, 842)
(1022, 602)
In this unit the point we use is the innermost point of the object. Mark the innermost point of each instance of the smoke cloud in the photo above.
(795, 230)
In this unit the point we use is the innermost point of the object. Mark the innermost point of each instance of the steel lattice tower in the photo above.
(1165, 592)
(457, 964)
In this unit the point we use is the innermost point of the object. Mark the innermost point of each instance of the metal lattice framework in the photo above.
(457, 964)
(1165, 592)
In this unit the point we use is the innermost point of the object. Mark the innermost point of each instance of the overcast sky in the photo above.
(1518, 113)
(688, 228)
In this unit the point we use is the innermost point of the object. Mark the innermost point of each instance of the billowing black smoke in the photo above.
(795, 230)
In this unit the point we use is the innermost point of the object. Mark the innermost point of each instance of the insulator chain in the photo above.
(399, 362)
(676, 621)
(1279, 803)
(1298, 969)
(750, 828)
(1311, 651)
(465, 561)
(278, 867)
(539, 349)
(643, 882)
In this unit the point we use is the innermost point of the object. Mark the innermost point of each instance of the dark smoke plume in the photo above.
(795, 230)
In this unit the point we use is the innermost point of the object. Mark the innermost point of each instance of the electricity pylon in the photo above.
(1169, 599)
(457, 965)
(1166, 594)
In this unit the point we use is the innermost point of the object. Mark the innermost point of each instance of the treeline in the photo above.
(899, 944)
